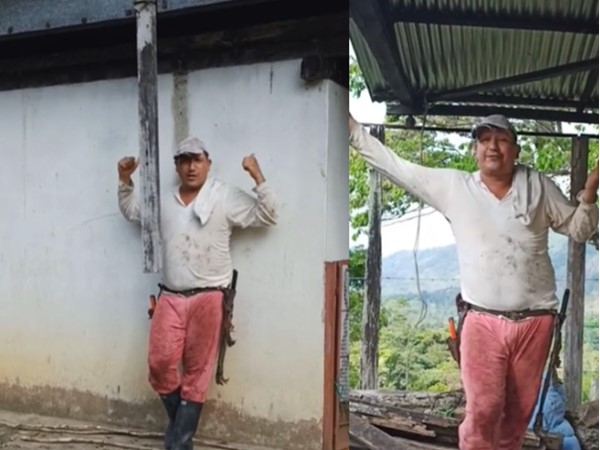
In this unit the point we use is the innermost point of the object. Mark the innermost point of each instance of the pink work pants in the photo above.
(501, 368)
(185, 329)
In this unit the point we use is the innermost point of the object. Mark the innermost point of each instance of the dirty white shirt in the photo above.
(195, 238)
(503, 260)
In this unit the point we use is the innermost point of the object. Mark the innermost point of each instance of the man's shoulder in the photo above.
(464, 175)
(215, 184)
(526, 168)
(531, 173)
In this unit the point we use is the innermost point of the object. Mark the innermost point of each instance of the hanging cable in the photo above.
(423, 312)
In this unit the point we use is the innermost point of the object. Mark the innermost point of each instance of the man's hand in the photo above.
(126, 167)
(588, 194)
(250, 165)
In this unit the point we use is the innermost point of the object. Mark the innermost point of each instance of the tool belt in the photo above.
(185, 293)
(464, 307)
(188, 292)
(515, 315)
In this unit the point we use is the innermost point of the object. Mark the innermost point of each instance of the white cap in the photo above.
(494, 121)
(190, 145)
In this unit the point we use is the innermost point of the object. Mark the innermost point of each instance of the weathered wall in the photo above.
(73, 322)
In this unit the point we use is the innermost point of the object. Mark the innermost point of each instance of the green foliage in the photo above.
(414, 359)
(590, 332)
(357, 82)
(356, 266)
(409, 358)
(356, 270)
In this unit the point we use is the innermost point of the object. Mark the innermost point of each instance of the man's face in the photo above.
(192, 169)
(496, 151)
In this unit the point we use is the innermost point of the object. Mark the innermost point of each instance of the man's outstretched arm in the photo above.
(432, 185)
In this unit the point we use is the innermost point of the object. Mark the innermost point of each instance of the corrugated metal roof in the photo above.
(441, 57)
(578, 9)
(436, 46)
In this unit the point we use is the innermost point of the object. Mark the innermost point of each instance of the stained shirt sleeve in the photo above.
(432, 185)
(245, 210)
(578, 222)
(128, 203)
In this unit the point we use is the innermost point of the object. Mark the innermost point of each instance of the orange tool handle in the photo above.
(451, 328)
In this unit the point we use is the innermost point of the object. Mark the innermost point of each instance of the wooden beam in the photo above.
(590, 84)
(573, 368)
(148, 132)
(316, 68)
(467, 131)
(312, 32)
(372, 438)
(550, 72)
(376, 28)
(482, 111)
(413, 424)
(372, 303)
(510, 100)
(326, 36)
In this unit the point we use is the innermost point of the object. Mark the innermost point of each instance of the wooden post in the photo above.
(148, 132)
(372, 304)
(573, 375)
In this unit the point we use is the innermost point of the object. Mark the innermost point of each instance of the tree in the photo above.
(356, 269)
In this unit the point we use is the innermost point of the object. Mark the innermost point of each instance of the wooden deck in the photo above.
(33, 432)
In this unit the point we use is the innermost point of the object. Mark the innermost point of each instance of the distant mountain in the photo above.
(439, 278)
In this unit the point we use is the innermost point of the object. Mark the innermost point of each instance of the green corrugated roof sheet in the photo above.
(441, 45)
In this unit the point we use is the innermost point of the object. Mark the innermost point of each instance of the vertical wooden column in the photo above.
(372, 304)
(573, 376)
(148, 132)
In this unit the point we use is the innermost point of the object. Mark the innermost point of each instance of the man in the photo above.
(196, 224)
(500, 216)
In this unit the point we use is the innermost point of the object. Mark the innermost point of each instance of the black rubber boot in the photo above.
(171, 403)
(188, 416)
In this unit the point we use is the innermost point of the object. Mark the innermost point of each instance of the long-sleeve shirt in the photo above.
(504, 263)
(196, 237)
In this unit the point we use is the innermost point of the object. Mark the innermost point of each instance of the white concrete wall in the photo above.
(337, 205)
(73, 296)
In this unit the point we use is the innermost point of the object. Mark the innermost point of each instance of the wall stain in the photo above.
(223, 419)
(220, 420)
(179, 106)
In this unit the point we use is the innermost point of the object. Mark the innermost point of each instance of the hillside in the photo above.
(438, 269)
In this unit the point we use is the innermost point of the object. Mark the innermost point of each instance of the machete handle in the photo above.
(234, 279)
(565, 302)
(452, 329)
